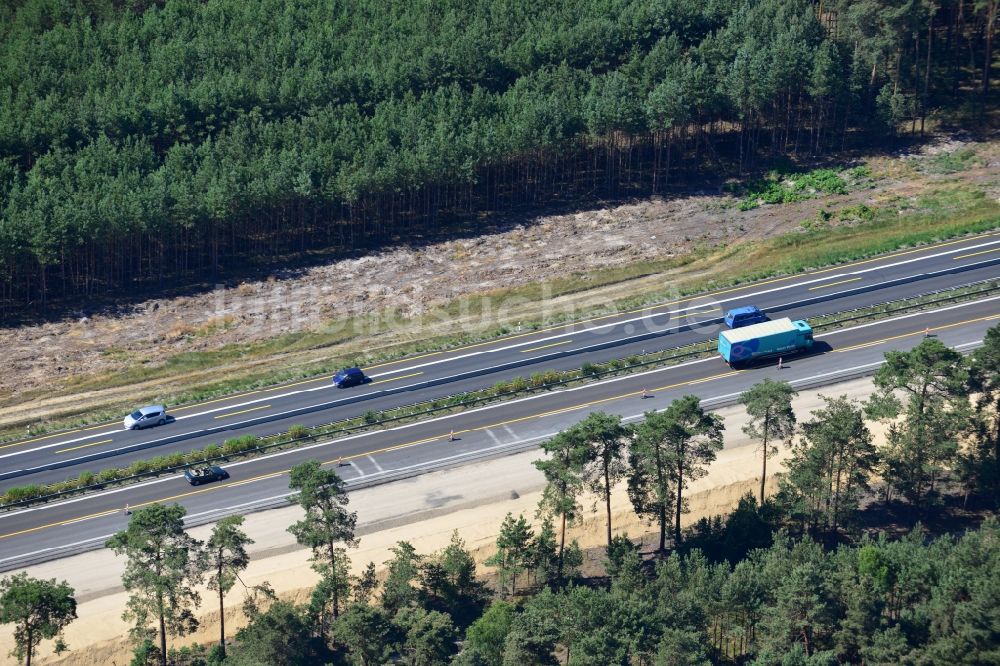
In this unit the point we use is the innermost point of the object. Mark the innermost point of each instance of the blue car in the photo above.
(745, 316)
(349, 377)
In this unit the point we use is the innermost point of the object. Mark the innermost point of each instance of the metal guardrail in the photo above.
(496, 397)
(817, 299)
(380, 478)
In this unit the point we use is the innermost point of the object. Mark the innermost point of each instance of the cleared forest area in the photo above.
(185, 140)
(525, 269)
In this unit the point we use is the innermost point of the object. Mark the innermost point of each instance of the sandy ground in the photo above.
(99, 341)
(471, 499)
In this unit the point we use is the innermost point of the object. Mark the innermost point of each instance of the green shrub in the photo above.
(86, 478)
(298, 431)
(369, 417)
(110, 474)
(21, 493)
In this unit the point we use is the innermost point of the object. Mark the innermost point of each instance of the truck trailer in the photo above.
(780, 337)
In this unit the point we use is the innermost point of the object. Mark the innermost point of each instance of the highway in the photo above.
(53, 530)
(898, 275)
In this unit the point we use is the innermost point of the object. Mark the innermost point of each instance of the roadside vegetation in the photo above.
(856, 232)
(801, 577)
(237, 448)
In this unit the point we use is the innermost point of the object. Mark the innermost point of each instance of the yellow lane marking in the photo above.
(242, 411)
(255, 479)
(209, 402)
(976, 254)
(304, 381)
(440, 437)
(38, 439)
(387, 449)
(83, 446)
(834, 284)
(701, 312)
(554, 344)
(69, 521)
(562, 410)
(921, 332)
(101, 425)
(409, 358)
(101, 514)
(393, 379)
(751, 285)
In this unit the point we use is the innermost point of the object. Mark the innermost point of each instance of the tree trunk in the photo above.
(991, 17)
(562, 547)
(163, 639)
(222, 615)
(607, 499)
(29, 636)
(677, 511)
(763, 472)
(663, 528)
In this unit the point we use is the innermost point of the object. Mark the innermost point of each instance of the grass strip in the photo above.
(248, 446)
(950, 214)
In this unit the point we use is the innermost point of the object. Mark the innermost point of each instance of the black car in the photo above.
(349, 377)
(201, 475)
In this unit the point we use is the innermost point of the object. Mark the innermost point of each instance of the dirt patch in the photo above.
(472, 499)
(44, 364)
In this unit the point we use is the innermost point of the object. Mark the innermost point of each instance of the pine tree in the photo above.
(563, 471)
(226, 556)
(769, 406)
(38, 609)
(513, 554)
(164, 564)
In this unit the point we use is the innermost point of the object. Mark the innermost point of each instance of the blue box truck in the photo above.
(770, 338)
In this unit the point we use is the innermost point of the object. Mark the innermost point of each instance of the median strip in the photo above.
(250, 445)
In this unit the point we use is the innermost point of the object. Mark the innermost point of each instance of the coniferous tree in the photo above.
(226, 557)
(563, 471)
(651, 483)
(322, 495)
(38, 609)
(163, 566)
(606, 466)
(769, 406)
(513, 554)
(932, 379)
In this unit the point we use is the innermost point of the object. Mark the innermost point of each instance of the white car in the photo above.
(145, 417)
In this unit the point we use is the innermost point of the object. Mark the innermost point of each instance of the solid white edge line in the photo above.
(501, 404)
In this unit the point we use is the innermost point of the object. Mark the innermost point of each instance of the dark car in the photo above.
(745, 316)
(349, 377)
(201, 475)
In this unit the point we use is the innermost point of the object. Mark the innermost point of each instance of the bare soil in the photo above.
(45, 362)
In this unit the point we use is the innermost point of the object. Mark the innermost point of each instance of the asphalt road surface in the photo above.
(415, 379)
(54, 530)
